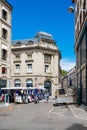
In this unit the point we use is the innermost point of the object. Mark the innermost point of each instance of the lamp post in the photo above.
(71, 9)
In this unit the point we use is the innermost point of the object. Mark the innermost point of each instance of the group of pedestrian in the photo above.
(46, 97)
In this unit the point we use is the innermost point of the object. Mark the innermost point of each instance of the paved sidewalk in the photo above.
(3, 105)
(78, 112)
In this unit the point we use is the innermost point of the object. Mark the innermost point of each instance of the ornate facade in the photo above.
(5, 43)
(36, 62)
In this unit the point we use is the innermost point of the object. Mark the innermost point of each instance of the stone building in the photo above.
(81, 49)
(70, 79)
(5, 42)
(36, 62)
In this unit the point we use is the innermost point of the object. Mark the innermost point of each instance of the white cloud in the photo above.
(67, 64)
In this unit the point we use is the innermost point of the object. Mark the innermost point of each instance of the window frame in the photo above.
(4, 54)
(29, 68)
(16, 69)
(4, 14)
(46, 69)
(4, 70)
(4, 33)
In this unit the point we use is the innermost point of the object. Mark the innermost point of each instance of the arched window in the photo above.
(17, 83)
(29, 83)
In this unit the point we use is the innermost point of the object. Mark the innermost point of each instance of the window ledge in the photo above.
(17, 61)
(17, 72)
(48, 73)
(4, 75)
(29, 72)
(49, 62)
(31, 60)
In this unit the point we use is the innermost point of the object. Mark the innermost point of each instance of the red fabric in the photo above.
(3, 69)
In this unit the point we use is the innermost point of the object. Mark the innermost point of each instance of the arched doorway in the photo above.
(29, 83)
(48, 86)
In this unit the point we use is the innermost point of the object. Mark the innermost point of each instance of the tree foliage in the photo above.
(63, 72)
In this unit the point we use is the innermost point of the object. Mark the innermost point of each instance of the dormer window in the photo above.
(30, 42)
(18, 43)
(4, 14)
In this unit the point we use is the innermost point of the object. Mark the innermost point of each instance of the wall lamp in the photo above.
(71, 9)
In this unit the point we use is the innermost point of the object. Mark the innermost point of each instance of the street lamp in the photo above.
(71, 9)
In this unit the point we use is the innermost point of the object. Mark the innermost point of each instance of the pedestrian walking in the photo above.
(47, 96)
(36, 100)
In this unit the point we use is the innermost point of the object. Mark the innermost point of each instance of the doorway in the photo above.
(48, 86)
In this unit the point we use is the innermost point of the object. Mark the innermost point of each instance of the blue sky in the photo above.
(32, 16)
